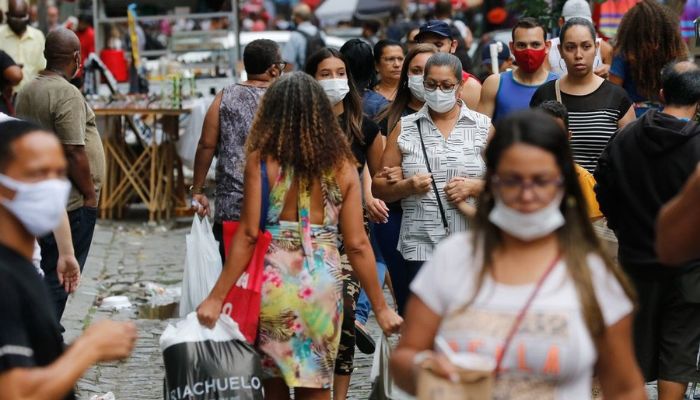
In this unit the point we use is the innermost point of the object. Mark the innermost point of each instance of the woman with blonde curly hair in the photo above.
(297, 144)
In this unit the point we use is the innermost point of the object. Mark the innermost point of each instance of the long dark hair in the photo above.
(360, 59)
(649, 37)
(403, 94)
(352, 103)
(577, 238)
(295, 125)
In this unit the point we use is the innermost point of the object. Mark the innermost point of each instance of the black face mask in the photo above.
(18, 25)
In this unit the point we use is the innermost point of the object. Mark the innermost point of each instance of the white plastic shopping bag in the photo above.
(383, 387)
(202, 363)
(202, 265)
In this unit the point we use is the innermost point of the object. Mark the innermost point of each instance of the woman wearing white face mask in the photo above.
(329, 68)
(439, 152)
(529, 288)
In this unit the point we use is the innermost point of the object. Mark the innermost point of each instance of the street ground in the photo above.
(126, 259)
(135, 259)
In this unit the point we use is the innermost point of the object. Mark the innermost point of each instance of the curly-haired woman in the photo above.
(314, 189)
(649, 37)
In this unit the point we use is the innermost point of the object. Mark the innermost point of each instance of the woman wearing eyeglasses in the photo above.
(388, 60)
(529, 287)
(438, 150)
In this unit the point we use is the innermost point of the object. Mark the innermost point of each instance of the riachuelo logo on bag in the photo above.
(217, 387)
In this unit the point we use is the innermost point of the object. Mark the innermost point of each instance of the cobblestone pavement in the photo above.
(123, 257)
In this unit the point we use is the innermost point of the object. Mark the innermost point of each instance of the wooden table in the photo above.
(152, 174)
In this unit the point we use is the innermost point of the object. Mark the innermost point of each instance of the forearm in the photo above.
(403, 370)
(391, 192)
(364, 264)
(64, 237)
(366, 184)
(202, 162)
(79, 171)
(466, 209)
(51, 382)
(241, 252)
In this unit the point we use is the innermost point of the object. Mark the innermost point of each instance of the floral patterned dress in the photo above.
(302, 303)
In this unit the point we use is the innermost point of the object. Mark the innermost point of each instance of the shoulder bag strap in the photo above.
(521, 315)
(265, 185)
(557, 91)
(432, 180)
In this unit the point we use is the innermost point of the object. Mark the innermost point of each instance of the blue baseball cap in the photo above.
(436, 27)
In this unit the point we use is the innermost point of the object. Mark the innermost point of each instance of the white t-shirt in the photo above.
(552, 354)
(557, 64)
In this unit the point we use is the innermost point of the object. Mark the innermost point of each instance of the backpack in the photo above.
(313, 44)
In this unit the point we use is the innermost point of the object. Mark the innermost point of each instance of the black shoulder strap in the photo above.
(432, 179)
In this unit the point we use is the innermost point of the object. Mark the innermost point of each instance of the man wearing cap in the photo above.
(603, 57)
(439, 34)
(512, 90)
(503, 60)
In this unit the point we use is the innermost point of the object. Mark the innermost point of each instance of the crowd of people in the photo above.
(480, 205)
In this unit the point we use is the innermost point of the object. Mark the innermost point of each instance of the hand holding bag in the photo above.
(242, 302)
(475, 383)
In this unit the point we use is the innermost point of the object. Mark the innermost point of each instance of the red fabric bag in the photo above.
(242, 302)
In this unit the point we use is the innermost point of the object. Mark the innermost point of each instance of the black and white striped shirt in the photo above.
(593, 118)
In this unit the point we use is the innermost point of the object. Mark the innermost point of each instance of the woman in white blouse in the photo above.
(433, 190)
(529, 287)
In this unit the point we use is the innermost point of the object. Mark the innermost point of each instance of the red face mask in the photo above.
(529, 59)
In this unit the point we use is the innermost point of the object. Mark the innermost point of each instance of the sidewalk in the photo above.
(124, 255)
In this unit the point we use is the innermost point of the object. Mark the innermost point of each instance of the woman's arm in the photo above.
(67, 267)
(617, 368)
(629, 116)
(205, 153)
(359, 250)
(242, 245)
(377, 211)
(390, 189)
(420, 327)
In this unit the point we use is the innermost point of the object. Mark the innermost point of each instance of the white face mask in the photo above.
(336, 89)
(439, 101)
(39, 206)
(528, 226)
(415, 84)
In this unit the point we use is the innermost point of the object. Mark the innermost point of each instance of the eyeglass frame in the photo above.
(497, 182)
(450, 90)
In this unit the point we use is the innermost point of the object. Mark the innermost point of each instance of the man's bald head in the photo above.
(302, 12)
(61, 48)
(18, 16)
(18, 8)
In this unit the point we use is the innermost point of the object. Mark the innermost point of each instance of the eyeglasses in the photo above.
(393, 60)
(512, 188)
(445, 87)
(281, 64)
